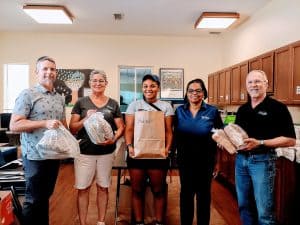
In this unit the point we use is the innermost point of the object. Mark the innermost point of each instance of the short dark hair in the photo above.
(152, 77)
(42, 59)
(199, 81)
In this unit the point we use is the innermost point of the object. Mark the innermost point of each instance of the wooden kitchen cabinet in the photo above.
(235, 85)
(264, 62)
(210, 87)
(238, 83)
(216, 88)
(244, 72)
(282, 67)
(224, 87)
(212, 98)
(295, 67)
(225, 167)
(286, 192)
(213, 86)
(283, 75)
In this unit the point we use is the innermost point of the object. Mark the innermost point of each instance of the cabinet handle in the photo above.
(242, 96)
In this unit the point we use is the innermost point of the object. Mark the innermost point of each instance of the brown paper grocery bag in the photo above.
(149, 135)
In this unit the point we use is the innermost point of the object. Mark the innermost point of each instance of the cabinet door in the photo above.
(267, 65)
(235, 85)
(264, 62)
(285, 192)
(282, 73)
(243, 74)
(227, 86)
(295, 48)
(222, 86)
(216, 88)
(255, 64)
(210, 89)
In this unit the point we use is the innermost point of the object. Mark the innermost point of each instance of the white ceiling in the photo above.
(141, 17)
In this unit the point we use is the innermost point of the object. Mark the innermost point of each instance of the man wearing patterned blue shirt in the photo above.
(37, 109)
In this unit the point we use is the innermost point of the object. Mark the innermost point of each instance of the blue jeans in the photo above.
(254, 178)
(40, 176)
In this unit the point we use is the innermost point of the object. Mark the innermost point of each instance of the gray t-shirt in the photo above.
(110, 110)
(141, 105)
(36, 104)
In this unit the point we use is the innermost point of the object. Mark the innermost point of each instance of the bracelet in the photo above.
(129, 145)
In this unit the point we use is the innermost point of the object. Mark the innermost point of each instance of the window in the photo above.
(131, 84)
(16, 78)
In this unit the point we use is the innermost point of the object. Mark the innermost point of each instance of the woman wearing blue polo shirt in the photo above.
(196, 152)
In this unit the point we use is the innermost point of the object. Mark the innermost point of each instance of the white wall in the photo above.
(273, 26)
(86, 51)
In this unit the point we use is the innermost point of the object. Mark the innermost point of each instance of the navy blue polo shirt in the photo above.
(267, 120)
(193, 134)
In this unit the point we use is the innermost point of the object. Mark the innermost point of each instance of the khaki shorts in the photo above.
(88, 167)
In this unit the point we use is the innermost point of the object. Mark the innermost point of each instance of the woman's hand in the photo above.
(131, 151)
(107, 142)
(167, 152)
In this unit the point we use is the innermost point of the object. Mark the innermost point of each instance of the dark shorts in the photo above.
(148, 163)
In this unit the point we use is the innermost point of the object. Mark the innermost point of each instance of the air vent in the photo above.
(118, 16)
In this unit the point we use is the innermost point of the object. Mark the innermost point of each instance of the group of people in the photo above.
(188, 129)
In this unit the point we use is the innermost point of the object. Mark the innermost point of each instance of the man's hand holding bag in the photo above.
(149, 135)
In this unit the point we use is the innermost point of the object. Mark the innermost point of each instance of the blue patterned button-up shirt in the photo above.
(37, 103)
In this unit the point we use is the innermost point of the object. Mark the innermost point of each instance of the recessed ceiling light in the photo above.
(49, 14)
(218, 20)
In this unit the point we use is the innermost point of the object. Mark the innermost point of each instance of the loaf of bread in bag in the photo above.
(236, 135)
(222, 139)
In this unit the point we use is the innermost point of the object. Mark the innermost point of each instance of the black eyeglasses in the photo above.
(197, 91)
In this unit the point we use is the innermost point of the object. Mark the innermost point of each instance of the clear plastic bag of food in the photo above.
(98, 128)
(58, 143)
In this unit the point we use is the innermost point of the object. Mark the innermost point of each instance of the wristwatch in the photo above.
(129, 145)
(261, 142)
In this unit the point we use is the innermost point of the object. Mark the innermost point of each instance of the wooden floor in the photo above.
(63, 209)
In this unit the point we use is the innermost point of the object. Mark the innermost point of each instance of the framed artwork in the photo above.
(72, 84)
(171, 83)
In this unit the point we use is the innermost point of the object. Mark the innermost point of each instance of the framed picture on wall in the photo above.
(72, 84)
(171, 83)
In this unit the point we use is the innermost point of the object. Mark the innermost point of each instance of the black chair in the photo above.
(4, 122)
(17, 207)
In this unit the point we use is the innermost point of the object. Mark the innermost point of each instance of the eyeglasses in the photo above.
(94, 81)
(197, 91)
(255, 82)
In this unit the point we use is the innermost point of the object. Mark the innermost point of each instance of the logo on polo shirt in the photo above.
(263, 113)
(205, 117)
